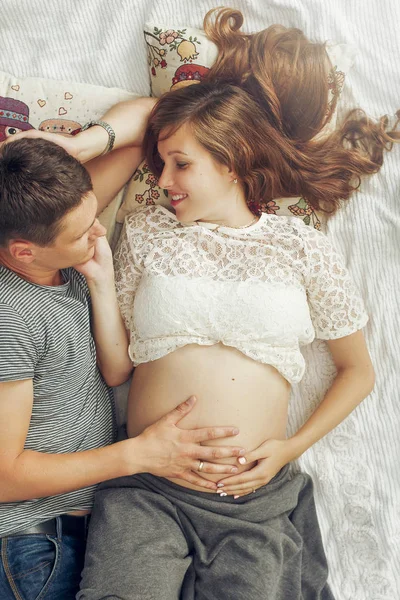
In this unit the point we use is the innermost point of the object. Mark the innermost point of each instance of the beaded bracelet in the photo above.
(110, 131)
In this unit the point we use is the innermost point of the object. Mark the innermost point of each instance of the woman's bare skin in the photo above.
(231, 389)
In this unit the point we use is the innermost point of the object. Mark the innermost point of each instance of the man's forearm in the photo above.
(36, 474)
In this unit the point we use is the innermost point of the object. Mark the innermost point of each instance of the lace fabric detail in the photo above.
(265, 290)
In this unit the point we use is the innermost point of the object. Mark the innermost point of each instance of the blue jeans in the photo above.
(36, 567)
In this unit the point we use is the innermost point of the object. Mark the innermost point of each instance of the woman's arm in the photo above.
(108, 329)
(354, 381)
(110, 172)
(128, 119)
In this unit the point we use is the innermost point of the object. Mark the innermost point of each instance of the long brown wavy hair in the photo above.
(265, 99)
(280, 67)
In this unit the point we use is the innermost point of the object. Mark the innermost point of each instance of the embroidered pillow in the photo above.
(180, 56)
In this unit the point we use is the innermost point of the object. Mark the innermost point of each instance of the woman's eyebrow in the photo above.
(171, 152)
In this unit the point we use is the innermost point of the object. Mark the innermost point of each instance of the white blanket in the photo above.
(356, 468)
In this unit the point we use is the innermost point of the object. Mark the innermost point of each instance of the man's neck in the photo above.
(30, 272)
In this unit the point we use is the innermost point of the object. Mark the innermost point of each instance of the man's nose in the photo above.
(98, 229)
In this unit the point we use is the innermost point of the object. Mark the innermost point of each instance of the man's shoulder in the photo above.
(11, 286)
(32, 301)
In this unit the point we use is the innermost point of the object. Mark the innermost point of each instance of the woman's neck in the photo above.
(238, 216)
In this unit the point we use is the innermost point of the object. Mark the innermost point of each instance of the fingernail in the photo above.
(243, 451)
(235, 431)
(242, 460)
(236, 497)
(234, 470)
(222, 494)
(220, 485)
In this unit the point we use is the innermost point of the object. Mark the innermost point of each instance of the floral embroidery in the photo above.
(303, 208)
(176, 40)
(149, 194)
(335, 86)
(269, 207)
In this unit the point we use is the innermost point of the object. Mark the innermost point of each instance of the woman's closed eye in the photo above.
(182, 165)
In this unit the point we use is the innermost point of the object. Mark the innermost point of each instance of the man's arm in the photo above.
(162, 449)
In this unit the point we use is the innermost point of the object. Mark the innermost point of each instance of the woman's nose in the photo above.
(165, 180)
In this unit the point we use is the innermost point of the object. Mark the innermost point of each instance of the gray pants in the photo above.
(150, 539)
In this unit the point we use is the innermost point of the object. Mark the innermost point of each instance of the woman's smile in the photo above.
(177, 199)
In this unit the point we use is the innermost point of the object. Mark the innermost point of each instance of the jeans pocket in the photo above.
(30, 563)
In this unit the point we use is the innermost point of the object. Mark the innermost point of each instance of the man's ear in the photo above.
(22, 250)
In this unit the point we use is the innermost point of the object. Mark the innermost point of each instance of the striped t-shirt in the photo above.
(45, 336)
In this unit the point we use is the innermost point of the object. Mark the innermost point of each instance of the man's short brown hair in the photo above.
(39, 184)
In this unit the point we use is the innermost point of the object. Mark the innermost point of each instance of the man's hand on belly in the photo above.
(165, 450)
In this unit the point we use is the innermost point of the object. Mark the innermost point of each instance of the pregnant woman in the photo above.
(218, 301)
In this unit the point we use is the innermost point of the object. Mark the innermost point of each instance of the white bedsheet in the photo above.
(356, 468)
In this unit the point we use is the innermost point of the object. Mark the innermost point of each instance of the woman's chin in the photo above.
(183, 214)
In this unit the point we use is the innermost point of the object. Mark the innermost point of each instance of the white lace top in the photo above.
(265, 290)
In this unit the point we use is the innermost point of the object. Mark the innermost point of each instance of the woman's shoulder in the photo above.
(150, 218)
(291, 227)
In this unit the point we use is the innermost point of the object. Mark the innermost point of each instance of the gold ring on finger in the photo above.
(201, 465)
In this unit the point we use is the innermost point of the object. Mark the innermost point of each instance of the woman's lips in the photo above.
(177, 199)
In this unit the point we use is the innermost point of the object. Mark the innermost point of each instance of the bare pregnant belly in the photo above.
(231, 389)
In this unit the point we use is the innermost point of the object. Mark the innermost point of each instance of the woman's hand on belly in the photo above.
(165, 450)
(269, 459)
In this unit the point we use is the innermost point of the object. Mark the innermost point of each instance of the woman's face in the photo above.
(199, 188)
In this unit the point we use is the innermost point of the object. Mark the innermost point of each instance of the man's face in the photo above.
(75, 242)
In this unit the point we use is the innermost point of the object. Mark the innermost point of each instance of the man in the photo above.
(62, 343)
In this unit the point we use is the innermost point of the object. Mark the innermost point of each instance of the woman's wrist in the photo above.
(295, 447)
(91, 143)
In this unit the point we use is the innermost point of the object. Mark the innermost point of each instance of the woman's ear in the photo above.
(233, 176)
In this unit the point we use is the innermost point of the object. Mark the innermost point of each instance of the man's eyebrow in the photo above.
(83, 232)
